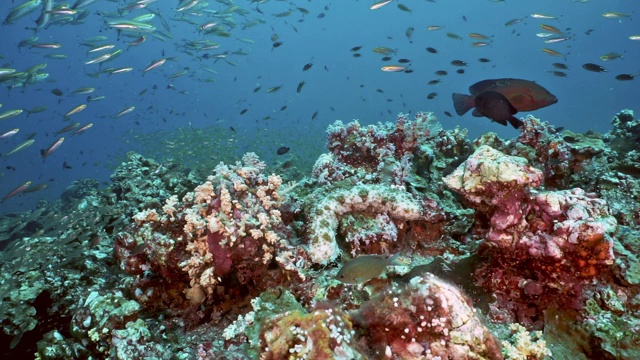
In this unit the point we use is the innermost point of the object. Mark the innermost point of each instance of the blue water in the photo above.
(587, 100)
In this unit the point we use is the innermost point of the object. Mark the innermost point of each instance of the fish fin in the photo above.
(502, 122)
(462, 103)
(477, 113)
(394, 260)
(515, 122)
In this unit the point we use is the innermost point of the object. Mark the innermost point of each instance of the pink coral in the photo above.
(559, 237)
(498, 185)
(548, 224)
(229, 229)
(581, 234)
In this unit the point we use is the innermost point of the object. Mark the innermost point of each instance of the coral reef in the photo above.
(77, 192)
(393, 202)
(143, 183)
(623, 138)
(372, 154)
(522, 248)
(556, 235)
(614, 175)
(602, 164)
(545, 149)
(558, 154)
(321, 334)
(525, 345)
(426, 319)
(372, 189)
(227, 230)
(392, 153)
(92, 323)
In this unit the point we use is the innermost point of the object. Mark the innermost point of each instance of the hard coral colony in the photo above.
(505, 242)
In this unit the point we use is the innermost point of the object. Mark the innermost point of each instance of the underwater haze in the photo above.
(222, 90)
(349, 180)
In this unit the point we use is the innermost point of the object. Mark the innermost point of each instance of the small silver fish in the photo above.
(365, 267)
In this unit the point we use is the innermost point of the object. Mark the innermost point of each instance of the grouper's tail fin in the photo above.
(462, 103)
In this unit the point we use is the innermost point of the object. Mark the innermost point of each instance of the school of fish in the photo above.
(217, 44)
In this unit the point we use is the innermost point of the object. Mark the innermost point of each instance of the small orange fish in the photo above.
(550, 28)
(68, 128)
(124, 111)
(379, 4)
(83, 128)
(478, 36)
(138, 41)
(35, 188)
(552, 52)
